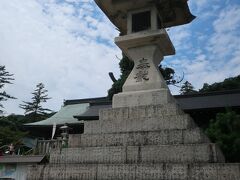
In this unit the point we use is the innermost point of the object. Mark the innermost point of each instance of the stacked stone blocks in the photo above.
(138, 143)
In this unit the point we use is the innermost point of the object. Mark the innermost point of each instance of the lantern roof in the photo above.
(171, 12)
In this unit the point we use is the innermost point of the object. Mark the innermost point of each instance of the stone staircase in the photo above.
(155, 142)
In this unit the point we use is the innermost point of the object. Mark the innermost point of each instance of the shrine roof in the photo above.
(88, 109)
(64, 115)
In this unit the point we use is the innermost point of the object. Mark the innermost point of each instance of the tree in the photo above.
(5, 78)
(126, 67)
(225, 131)
(169, 76)
(187, 88)
(39, 96)
(227, 84)
(9, 132)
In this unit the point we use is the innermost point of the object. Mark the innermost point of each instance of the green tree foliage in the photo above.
(8, 136)
(225, 131)
(35, 107)
(9, 132)
(227, 84)
(187, 88)
(11, 129)
(169, 75)
(126, 67)
(5, 78)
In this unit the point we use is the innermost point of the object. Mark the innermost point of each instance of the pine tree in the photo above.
(39, 96)
(5, 78)
(187, 88)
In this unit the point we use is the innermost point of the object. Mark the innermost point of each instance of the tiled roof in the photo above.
(64, 115)
(88, 109)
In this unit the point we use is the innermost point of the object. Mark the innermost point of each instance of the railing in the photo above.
(19, 150)
(3, 149)
(46, 146)
(43, 147)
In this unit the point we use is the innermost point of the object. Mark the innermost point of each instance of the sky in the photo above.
(68, 45)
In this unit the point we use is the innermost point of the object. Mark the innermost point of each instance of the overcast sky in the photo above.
(68, 46)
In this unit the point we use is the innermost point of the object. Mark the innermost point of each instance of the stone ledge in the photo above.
(166, 171)
(139, 154)
(139, 124)
(140, 112)
(142, 98)
(190, 136)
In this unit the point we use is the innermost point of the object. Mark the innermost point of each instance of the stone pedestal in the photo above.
(142, 98)
(145, 136)
(143, 143)
(145, 84)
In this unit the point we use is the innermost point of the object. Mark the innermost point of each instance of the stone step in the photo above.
(133, 124)
(140, 111)
(178, 171)
(139, 154)
(189, 136)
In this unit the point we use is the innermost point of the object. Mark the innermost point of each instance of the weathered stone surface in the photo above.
(139, 124)
(145, 142)
(145, 84)
(188, 136)
(62, 172)
(168, 109)
(117, 172)
(142, 118)
(90, 155)
(153, 142)
(166, 171)
(139, 154)
(142, 98)
(158, 37)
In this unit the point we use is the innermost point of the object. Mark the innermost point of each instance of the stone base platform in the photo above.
(163, 171)
(139, 154)
(140, 138)
(141, 118)
(142, 98)
(153, 142)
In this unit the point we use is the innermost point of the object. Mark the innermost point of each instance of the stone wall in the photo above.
(165, 171)
(138, 143)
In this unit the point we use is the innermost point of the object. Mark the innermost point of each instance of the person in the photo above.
(11, 149)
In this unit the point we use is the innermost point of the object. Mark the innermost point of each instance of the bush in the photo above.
(225, 131)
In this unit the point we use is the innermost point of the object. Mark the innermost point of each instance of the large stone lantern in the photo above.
(145, 41)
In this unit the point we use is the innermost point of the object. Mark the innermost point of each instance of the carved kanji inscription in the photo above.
(142, 73)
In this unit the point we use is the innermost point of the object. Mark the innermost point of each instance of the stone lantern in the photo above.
(65, 134)
(145, 41)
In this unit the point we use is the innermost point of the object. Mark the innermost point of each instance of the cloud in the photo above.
(180, 37)
(57, 44)
(213, 53)
(225, 42)
(228, 20)
(68, 45)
